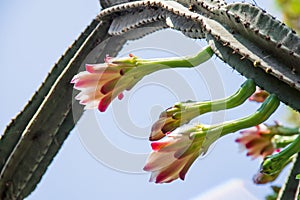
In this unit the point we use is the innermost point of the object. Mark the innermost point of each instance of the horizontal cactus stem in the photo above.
(205, 7)
(261, 57)
(107, 3)
(271, 52)
(186, 25)
(262, 27)
(136, 19)
(181, 17)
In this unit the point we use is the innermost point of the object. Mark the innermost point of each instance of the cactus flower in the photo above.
(259, 95)
(171, 119)
(173, 156)
(257, 140)
(101, 83)
(262, 178)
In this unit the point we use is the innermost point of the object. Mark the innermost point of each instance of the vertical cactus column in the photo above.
(33, 138)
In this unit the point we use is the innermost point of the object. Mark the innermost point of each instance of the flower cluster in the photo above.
(173, 155)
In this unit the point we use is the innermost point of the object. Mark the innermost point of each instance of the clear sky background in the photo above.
(35, 33)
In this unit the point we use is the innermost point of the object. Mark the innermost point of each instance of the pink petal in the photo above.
(83, 83)
(153, 176)
(74, 79)
(238, 140)
(121, 96)
(170, 173)
(187, 166)
(103, 68)
(91, 105)
(104, 103)
(157, 161)
(89, 68)
(158, 145)
(173, 144)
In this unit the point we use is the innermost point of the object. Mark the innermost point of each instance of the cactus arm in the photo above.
(39, 129)
(53, 149)
(284, 92)
(13, 131)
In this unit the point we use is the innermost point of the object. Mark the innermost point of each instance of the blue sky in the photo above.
(33, 36)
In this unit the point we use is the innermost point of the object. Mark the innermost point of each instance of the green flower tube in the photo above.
(181, 113)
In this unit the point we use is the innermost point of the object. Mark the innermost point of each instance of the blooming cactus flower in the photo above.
(173, 156)
(259, 95)
(257, 140)
(101, 83)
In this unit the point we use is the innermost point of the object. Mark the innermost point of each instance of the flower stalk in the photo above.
(261, 115)
(182, 112)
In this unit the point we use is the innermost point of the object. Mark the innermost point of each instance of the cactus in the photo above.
(243, 35)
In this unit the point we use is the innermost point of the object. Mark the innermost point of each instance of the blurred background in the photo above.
(34, 34)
